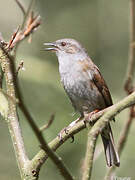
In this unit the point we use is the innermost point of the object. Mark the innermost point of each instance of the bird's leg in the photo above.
(89, 115)
(66, 129)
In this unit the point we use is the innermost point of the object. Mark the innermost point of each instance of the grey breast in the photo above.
(84, 95)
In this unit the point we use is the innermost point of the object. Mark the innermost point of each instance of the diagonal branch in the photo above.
(44, 127)
(56, 160)
(111, 112)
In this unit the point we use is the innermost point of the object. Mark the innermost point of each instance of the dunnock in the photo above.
(85, 87)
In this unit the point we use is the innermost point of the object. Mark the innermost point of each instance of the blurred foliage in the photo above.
(102, 27)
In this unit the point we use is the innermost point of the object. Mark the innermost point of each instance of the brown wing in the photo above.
(107, 136)
(102, 87)
(95, 75)
(111, 154)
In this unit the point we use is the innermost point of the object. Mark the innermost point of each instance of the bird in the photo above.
(85, 87)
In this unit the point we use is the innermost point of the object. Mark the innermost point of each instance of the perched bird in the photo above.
(85, 87)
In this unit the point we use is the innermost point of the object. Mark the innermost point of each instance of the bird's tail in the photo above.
(112, 157)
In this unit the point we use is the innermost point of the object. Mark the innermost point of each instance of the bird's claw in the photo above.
(72, 139)
(88, 116)
(66, 131)
(60, 134)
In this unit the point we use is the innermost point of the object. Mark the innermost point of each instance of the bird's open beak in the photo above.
(53, 47)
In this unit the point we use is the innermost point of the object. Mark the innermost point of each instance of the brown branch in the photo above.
(19, 35)
(129, 88)
(131, 60)
(27, 13)
(12, 38)
(23, 24)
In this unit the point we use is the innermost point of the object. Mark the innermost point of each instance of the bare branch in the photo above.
(48, 124)
(12, 38)
(23, 23)
(18, 36)
(131, 60)
(129, 88)
(21, 7)
(57, 160)
(27, 13)
(56, 143)
(12, 120)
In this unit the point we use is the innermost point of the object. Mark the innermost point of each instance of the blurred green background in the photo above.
(103, 29)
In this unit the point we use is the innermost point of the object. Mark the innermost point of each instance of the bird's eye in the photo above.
(63, 43)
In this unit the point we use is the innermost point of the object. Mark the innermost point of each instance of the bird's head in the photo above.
(64, 46)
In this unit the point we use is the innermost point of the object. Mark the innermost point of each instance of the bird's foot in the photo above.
(88, 116)
(65, 130)
(79, 119)
(61, 132)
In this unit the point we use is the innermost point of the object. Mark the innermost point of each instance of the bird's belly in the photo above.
(84, 95)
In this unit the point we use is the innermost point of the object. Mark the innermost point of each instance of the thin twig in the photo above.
(21, 7)
(13, 38)
(18, 36)
(128, 87)
(56, 160)
(131, 60)
(23, 24)
(1, 77)
(20, 66)
(48, 124)
(27, 13)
